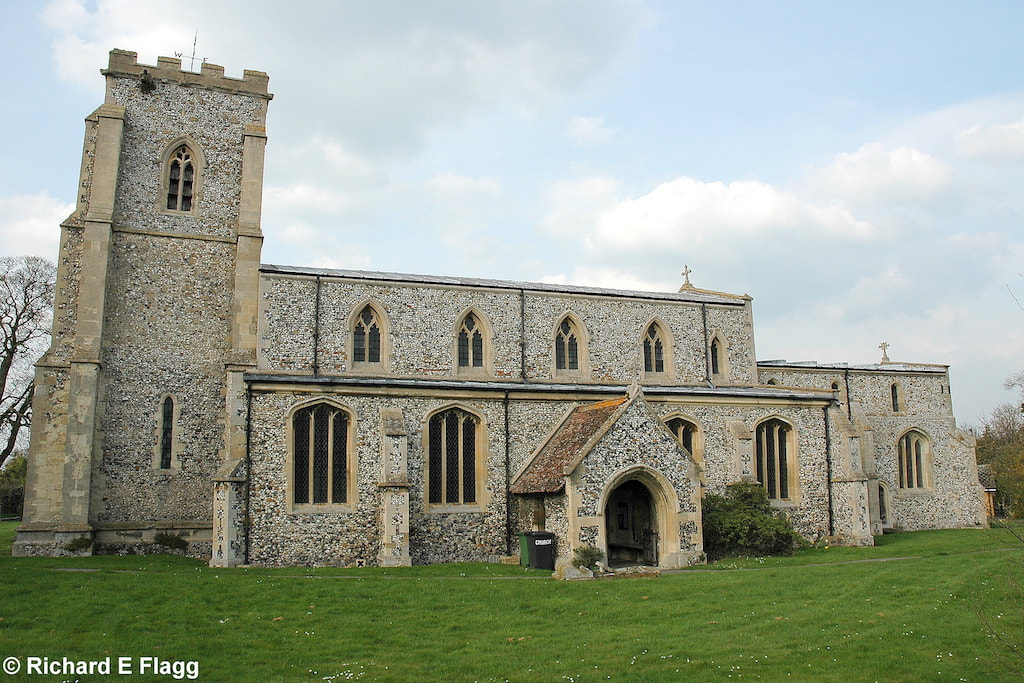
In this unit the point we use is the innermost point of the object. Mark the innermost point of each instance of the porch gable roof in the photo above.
(567, 446)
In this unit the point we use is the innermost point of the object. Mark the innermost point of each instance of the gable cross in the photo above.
(686, 274)
(885, 348)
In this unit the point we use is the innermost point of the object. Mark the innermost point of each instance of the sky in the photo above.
(856, 168)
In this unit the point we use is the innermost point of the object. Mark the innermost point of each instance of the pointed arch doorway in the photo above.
(631, 525)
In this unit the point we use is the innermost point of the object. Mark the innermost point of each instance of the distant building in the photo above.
(280, 415)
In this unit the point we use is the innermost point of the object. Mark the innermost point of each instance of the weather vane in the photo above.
(192, 59)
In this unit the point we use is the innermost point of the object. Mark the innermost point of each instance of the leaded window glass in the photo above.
(180, 179)
(772, 446)
(320, 455)
(366, 337)
(654, 350)
(567, 355)
(452, 444)
(471, 343)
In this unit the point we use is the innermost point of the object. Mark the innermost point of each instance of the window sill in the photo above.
(453, 509)
(324, 509)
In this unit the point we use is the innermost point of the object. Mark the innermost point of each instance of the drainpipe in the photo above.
(707, 350)
(316, 331)
(828, 471)
(508, 484)
(849, 402)
(522, 339)
(248, 464)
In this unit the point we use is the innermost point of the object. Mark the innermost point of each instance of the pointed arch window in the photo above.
(686, 433)
(166, 432)
(716, 358)
(471, 343)
(774, 458)
(913, 461)
(320, 455)
(897, 399)
(453, 444)
(654, 349)
(181, 179)
(366, 337)
(567, 346)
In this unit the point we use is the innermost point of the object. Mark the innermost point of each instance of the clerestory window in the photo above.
(654, 349)
(567, 346)
(471, 343)
(366, 337)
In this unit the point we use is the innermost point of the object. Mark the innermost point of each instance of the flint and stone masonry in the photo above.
(278, 415)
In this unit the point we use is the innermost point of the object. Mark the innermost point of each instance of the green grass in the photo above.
(822, 615)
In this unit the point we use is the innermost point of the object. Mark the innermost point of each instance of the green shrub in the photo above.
(12, 486)
(587, 556)
(742, 522)
(170, 541)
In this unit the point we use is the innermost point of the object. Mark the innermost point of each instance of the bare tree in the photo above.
(26, 309)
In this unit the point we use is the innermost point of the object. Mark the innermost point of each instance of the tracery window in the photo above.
(366, 337)
(654, 349)
(773, 458)
(913, 461)
(452, 437)
(166, 432)
(320, 455)
(567, 346)
(471, 343)
(181, 178)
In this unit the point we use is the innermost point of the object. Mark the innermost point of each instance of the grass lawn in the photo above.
(909, 613)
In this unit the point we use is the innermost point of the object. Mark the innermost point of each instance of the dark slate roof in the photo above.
(544, 474)
(869, 367)
(690, 294)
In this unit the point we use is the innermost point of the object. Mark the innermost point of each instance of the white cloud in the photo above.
(876, 174)
(686, 213)
(457, 186)
(998, 142)
(30, 225)
(386, 73)
(589, 131)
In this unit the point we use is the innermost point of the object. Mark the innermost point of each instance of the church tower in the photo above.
(140, 401)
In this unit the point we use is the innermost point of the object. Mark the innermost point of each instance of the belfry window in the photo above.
(452, 444)
(654, 350)
(320, 444)
(471, 343)
(366, 337)
(897, 400)
(913, 461)
(166, 432)
(181, 179)
(773, 465)
(567, 347)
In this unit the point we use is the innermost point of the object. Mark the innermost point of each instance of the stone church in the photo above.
(280, 415)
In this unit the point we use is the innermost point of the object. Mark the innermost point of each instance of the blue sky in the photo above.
(855, 167)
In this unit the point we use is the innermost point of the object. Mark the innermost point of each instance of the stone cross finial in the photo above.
(885, 347)
(686, 274)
